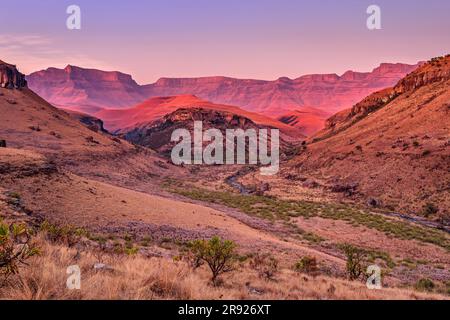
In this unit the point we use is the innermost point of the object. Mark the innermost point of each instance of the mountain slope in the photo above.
(394, 146)
(28, 121)
(307, 120)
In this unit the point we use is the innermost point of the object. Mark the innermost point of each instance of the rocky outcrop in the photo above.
(157, 134)
(10, 77)
(93, 123)
(436, 70)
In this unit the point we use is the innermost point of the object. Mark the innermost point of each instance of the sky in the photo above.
(258, 39)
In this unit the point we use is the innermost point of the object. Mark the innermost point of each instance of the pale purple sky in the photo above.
(261, 39)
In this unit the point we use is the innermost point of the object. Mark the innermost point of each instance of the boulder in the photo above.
(102, 267)
(373, 202)
(348, 189)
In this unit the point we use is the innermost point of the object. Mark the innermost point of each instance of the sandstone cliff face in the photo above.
(86, 90)
(325, 92)
(10, 77)
(437, 70)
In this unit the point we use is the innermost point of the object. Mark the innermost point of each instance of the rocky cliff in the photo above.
(436, 70)
(10, 77)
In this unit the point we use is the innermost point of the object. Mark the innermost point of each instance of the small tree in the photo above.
(355, 261)
(425, 284)
(265, 264)
(15, 248)
(429, 209)
(307, 265)
(218, 254)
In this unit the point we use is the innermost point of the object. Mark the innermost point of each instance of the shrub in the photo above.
(355, 261)
(429, 209)
(307, 265)
(265, 264)
(425, 284)
(218, 254)
(15, 248)
(63, 234)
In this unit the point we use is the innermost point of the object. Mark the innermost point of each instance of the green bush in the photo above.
(66, 234)
(356, 260)
(425, 284)
(265, 264)
(429, 209)
(15, 248)
(307, 265)
(218, 254)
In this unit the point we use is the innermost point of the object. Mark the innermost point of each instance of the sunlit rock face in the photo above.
(10, 77)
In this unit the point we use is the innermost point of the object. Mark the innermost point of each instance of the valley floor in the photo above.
(137, 222)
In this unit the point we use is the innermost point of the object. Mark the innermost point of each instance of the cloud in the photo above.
(35, 52)
(8, 41)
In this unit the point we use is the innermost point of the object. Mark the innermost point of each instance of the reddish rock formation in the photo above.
(86, 90)
(10, 77)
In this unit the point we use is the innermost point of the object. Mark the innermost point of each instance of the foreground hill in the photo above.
(88, 90)
(28, 121)
(392, 148)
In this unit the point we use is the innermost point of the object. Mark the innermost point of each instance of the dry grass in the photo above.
(136, 277)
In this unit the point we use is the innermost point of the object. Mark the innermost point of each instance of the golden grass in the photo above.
(136, 277)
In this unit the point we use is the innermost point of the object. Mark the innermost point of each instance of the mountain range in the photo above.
(318, 95)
